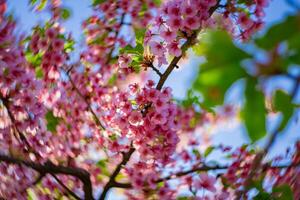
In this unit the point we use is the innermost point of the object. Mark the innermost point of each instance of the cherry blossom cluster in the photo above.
(19, 88)
(51, 48)
(21, 111)
(175, 21)
(289, 176)
(104, 31)
(90, 115)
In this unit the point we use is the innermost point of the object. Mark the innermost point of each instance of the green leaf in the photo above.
(139, 35)
(102, 164)
(254, 112)
(282, 192)
(262, 196)
(221, 69)
(97, 2)
(214, 83)
(39, 72)
(52, 121)
(218, 48)
(69, 46)
(191, 99)
(280, 32)
(196, 153)
(157, 2)
(31, 195)
(208, 151)
(183, 198)
(32, 2)
(42, 5)
(283, 103)
(65, 13)
(34, 59)
(138, 49)
(112, 79)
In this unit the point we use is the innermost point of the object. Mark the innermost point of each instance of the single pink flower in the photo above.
(174, 49)
(207, 182)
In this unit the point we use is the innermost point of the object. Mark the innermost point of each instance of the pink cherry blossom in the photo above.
(206, 182)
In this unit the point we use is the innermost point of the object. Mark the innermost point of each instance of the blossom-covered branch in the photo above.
(50, 168)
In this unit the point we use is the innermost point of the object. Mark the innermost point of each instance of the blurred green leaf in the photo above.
(157, 2)
(32, 2)
(139, 35)
(42, 5)
(112, 79)
(34, 59)
(97, 2)
(254, 111)
(69, 46)
(138, 49)
(280, 32)
(196, 153)
(283, 103)
(218, 48)
(190, 99)
(39, 72)
(262, 196)
(31, 195)
(102, 164)
(208, 151)
(214, 83)
(221, 69)
(183, 198)
(282, 192)
(65, 13)
(52, 121)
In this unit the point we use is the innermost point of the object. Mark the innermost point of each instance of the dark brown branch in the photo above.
(65, 187)
(112, 182)
(13, 122)
(189, 42)
(205, 168)
(155, 69)
(122, 22)
(50, 168)
(163, 77)
(175, 60)
(30, 148)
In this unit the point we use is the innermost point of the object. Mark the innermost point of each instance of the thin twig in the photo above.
(204, 168)
(65, 187)
(155, 69)
(112, 182)
(15, 127)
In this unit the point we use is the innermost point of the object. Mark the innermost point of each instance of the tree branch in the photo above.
(189, 42)
(30, 148)
(50, 168)
(65, 187)
(163, 77)
(204, 168)
(112, 182)
(116, 37)
(13, 122)
(155, 69)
